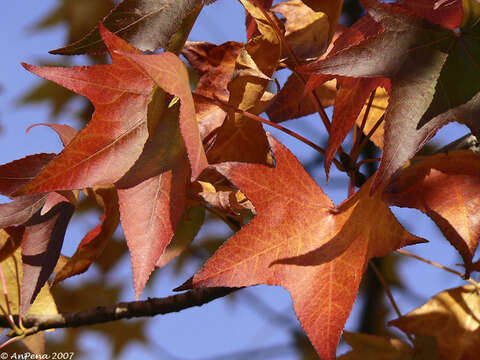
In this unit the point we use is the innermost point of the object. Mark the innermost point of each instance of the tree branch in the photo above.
(126, 310)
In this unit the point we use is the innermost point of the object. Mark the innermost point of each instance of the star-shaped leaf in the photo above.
(109, 145)
(431, 69)
(445, 187)
(301, 241)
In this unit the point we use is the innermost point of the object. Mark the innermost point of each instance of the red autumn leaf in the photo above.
(152, 197)
(17, 173)
(349, 102)
(406, 52)
(300, 241)
(41, 245)
(170, 73)
(66, 133)
(447, 13)
(445, 187)
(109, 145)
(291, 102)
(20, 209)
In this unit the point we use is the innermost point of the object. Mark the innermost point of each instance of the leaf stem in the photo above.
(433, 263)
(227, 107)
(356, 141)
(312, 95)
(388, 292)
(354, 155)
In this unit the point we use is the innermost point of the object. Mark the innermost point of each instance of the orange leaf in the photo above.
(452, 318)
(109, 145)
(152, 196)
(300, 241)
(445, 187)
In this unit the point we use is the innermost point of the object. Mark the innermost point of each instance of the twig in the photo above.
(389, 293)
(127, 310)
(433, 263)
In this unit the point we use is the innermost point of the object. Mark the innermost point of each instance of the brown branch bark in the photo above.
(126, 310)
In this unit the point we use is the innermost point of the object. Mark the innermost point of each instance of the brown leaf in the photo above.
(17, 173)
(300, 241)
(146, 24)
(215, 65)
(187, 229)
(453, 318)
(292, 103)
(332, 8)
(307, 31)
(445, 187)
(93, 244)
(366, 346)
(241, 138)
(41, 245)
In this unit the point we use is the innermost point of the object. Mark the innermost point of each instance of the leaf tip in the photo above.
(187, 285)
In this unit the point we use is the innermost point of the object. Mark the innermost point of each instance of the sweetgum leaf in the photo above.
(95, 241)
(446, 13)
(307, 31)
(349, 102)
(215, 65)
(291, 103)
(12, 270)
(445, 187)
(241, 138)
(146, 24)
(300, 241)
(41, 245)
(170, 74)
(152, 197)
(431, 70)
(109, 145)
(20, 209)
(451, 317)
(188, 228)
(250, 23)
(17, 173)
(365, 346)
(66, 133)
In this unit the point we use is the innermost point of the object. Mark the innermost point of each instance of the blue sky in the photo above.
(225, 326)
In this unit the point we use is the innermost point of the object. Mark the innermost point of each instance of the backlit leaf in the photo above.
(452, 317)
(300, 241)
